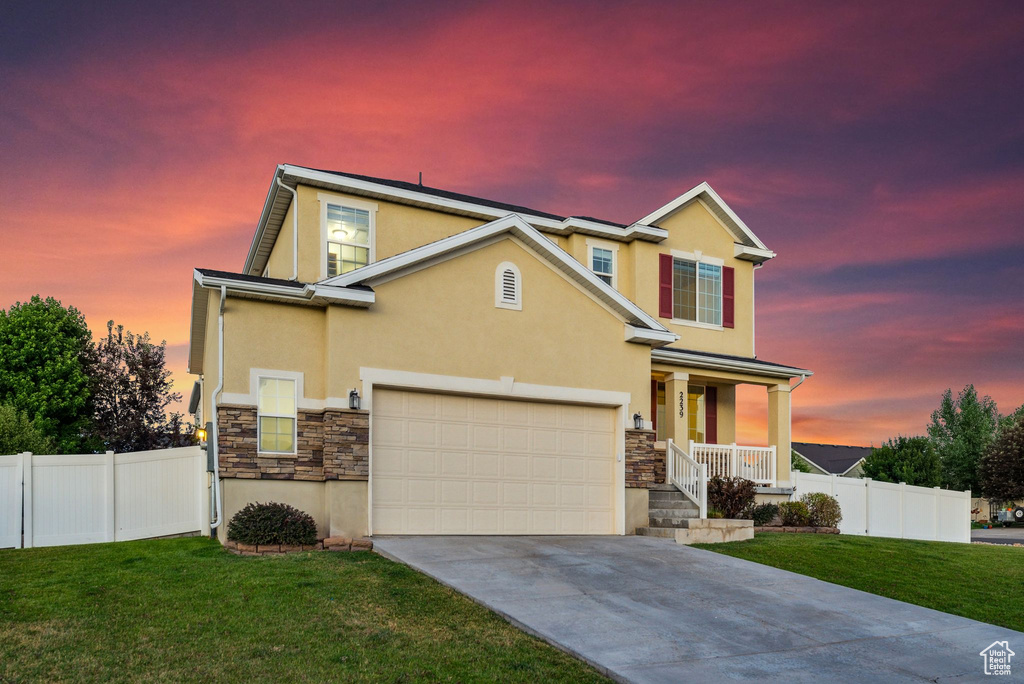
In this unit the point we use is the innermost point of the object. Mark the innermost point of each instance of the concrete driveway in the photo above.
(647, 610)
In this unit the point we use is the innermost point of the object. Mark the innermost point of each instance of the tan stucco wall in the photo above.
(442, 320)
(306, 496)
(690, 229)
(347, 508)
(726, 411)
(637, 509)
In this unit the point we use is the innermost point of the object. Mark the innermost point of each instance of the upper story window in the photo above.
(601, 257)
(276, 418)
(508, 287)
(348, 227)
(696, 291)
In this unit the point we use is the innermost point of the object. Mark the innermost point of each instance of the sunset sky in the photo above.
(878, 148)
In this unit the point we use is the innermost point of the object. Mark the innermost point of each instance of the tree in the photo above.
(133, 391)
(1002, 468)
(961, 430)
(905, 459)
(18, 433)
(1007, 421)
(46, 358)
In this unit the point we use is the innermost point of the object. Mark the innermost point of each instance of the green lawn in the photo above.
(976, 581)
(186, 609)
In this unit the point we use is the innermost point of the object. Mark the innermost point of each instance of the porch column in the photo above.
(779, 431)
(675, 413)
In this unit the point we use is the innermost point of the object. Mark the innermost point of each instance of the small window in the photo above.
(277, 415)
(601, 256)
(348, 239)
(508, 287)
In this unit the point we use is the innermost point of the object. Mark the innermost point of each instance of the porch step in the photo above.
(671, 503)
(664, 532)
(662, 488)
(671, 513)
(657, 495)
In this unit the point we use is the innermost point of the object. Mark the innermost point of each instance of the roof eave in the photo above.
(698, 361)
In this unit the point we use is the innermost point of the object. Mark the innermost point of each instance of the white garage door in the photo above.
(446, 464)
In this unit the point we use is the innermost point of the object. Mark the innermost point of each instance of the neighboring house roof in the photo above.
(832, 458)
(702, 359)
(276, 206)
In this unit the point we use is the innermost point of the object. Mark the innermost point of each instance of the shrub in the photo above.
(731, 495)
(714, 513)
(905, 459)
(272, 523)
(763, 514)
(794, 514)
(823, 509)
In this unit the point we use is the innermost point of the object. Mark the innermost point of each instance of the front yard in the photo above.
(185, 609)
(976, 581)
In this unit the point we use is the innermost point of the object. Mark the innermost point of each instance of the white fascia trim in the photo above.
(652, 337)
(317, 293)
(705, 190)
(681, 359)
(197, 329)
(514, 224)
(861, 460)
(755, 254)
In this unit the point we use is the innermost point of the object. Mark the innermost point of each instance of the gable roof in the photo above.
(832, 458)
(641, 326)
(755, 250)
(276, 206)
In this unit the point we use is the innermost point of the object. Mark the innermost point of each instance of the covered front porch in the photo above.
(693, 407)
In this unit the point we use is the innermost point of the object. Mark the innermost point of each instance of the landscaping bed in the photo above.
(980, 582)
(187, 609)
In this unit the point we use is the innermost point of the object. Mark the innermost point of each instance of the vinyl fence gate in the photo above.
(52, 500)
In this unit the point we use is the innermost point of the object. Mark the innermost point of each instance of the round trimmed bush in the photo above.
(823, 509)
(272, 523)
(794, 514)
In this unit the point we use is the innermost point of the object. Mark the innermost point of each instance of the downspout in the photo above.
(295, 227)
(215, 442)
(753, 311)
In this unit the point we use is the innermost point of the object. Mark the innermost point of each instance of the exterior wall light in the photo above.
(638, 421)
(353, 400)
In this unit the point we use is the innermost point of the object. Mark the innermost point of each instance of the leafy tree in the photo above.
(1002, 467)
(905, 459)
(961, 430)
(18, 433)
(1007, 421)
(133, 391)
(46, 358)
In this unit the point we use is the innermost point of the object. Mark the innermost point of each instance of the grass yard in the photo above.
(185, 609)
(980, 582)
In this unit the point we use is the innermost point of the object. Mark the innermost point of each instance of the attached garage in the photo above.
(457, 464)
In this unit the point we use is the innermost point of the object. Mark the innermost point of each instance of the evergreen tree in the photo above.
(961, 430)
(905, 459)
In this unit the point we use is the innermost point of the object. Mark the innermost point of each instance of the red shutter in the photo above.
(728, 297)
(665, 285)
(711, 415)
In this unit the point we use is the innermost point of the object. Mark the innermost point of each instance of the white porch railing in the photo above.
(729, 460)
(689, 477)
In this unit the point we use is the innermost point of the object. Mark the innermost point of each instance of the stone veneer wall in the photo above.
(645, 465)
(333, 444)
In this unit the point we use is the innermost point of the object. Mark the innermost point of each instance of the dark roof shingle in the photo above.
(835, 458)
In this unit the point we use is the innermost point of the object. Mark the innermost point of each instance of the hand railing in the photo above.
(688, 476)
(729, 460)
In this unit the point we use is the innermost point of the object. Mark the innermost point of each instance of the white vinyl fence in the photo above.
(882, 509)
(51, 500)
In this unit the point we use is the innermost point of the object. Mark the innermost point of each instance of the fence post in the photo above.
(832, 484)
(774, 475)
(108, 467)
(734, 464)
(967, 518)
(867, 506)
(668, 460)
(26, 499)
(935, 516)
(903, 490)
(703, 496)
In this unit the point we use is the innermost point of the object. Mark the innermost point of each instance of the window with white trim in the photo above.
(601, 257)
(348, 238)
(508, 287)
(696, 291)
(276, 415)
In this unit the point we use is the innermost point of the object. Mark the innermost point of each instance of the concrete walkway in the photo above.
(648, 610)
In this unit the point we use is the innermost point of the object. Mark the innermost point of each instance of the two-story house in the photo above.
(398, 359)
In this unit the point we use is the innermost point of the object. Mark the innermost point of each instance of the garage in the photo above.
(455, 464)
